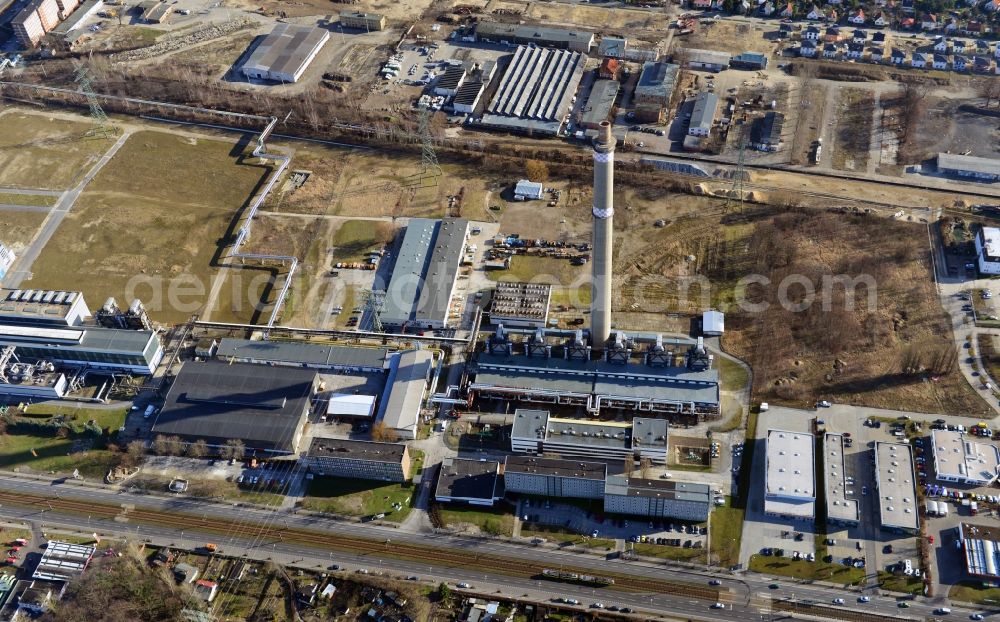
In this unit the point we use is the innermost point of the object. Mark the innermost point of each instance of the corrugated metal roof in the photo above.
(406, 387)
(308, 354)
(704, 110)
(286, 49)
(600, 102)
(972, 164)
(442, 271)
(407, 273)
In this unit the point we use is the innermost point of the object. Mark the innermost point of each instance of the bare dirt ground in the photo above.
(17, 229)
(46, 153)
(395, 11)
(727, 36)
(620, 20)
(944, 128)
(854, 127)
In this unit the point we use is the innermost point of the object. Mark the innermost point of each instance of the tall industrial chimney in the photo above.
(604, 211)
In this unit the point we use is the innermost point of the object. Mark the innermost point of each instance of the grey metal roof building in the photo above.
(981, 547)
(765, 132)
(600, 103)
(897, 489)
(576, 40)
(598, 384)
(790, 479)
(550, 477)
(535, 432)
(467, 96)
(263, 406)
(298, 354)
(703, 114)
(426, 270)
(659, 498)
(450, 80)
(536, 91)
(709, 60)
(656, 83)
(405, 392)
(464, 480)
(983, 169)
(40, 307)
(432, 308)
(284, 54)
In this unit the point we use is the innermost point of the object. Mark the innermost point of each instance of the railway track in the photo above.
(835, 613)
(450, 558)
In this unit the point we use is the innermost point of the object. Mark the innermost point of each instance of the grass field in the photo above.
(356, 238)
(802, 569)
(562, 537)
(549, 270)
(677, 553)
(902, 583)
(972, 592)
(36, 200)
(19, 228)
(355, 497)
(43, 152)
(726, 530)
(150, 224)
(495, 521)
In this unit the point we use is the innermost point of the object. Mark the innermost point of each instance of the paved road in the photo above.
(15, 207)
(31, 191)
(22, 267)
(745, 593)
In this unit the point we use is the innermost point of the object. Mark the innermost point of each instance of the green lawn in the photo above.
(726, 530)
(902, 583)
(109, 418)
(801, 569)
(566, 538)
(358, 497)
(732, 375)
(973, 592)
(669, 552)
(498, 521)
(530, 268)
(416, 461)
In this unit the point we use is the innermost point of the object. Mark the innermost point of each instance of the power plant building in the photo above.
(309, 355)
(35, 19)
(423, 279)
(362, 21)
(285, 53)
(537, 90)
(515, 34)
(554, 478)
(523, 305)
(535, 432)
(334, 457)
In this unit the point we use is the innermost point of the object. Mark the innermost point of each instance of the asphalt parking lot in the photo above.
(578, 520)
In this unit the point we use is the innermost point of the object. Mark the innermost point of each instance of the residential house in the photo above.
(854, 51)
(959, 47)
(960, 63)
(929, 21)
(897, 56)
(876, 54)
(767, 9)
(951, 25)
(836, 2)
(879, 38)
(981, 64)
(982, 46)
(815, 14)
(832, 34)
(785, 31)
(907, 23)
(857, 18)
(206, 590)
(973, 27)
(833, 16)
(807, 49)
(880, 20)
(812, 34)
(859, 35)
(701, 4)
(918, 60)
(788, 11)
(939, 61)
(906, 6)
(996, 51)
(941, 45)
(830, 50)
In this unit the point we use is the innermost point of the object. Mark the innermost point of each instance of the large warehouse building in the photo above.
(981, 548)
(405, 392)
(285, 53)
(423, 279)
(265, 407)
(537, 91)
(897, 488)
(657, 498)
(654, 90)
(334, 457)
(841, 505)
(790, 484)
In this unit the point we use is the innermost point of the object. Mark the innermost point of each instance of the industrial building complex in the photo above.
(897, 487)
(791, 475)
(535, 432)
(333, 457)
(537, 90)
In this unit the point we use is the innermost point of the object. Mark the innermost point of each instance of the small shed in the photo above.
(527, 190)
(350, 405)
(713, 323)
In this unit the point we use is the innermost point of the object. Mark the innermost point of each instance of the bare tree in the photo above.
(380, 432)
(536, 170)
(236, 449)
(161, 445)
(198, 449)
(135, 454)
